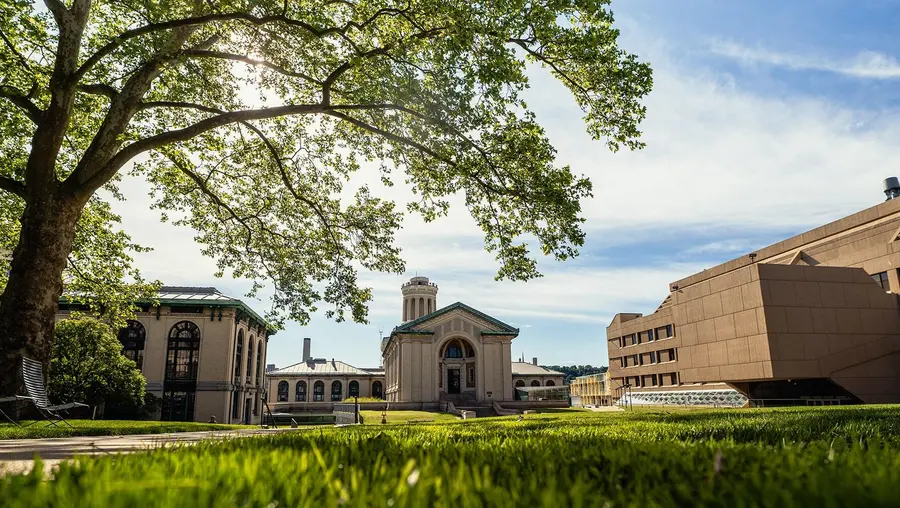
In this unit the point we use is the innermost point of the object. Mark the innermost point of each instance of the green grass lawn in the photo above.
(823, 457)
(395, 417)
(106, 428)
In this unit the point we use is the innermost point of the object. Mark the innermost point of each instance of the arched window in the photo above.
(183, 355)
(300, 395)
(550, 383)
(470, 353)
(535, 383)
(259, 346)
(133, 337)
(377, 390)
(238, 355)
(519, 384)
(453, 351)
(354, 389)
(282, 391)
(337, 391)
(249, 357)
(318, 391)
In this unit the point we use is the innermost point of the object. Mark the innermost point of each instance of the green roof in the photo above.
(180, 296)
(504, 329)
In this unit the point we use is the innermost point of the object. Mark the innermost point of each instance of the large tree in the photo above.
(247, 118)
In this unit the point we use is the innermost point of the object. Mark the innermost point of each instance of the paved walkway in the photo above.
(17, 455)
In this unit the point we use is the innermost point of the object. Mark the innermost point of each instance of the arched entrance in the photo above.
(377, 390)
(456, 370)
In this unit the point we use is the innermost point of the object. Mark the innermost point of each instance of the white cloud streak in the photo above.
(865, 64)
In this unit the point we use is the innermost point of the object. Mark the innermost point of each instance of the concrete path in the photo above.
(17, 455)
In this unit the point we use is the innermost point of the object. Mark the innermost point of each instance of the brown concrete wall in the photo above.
(834, 323)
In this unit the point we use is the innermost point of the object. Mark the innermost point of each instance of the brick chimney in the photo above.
(307, 343)
(534, 360)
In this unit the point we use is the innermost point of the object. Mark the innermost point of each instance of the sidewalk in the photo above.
(17, 455)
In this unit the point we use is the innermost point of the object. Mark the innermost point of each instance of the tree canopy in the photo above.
(87, 365)
(248, 118)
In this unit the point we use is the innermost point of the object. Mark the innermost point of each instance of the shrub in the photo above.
(87, 366)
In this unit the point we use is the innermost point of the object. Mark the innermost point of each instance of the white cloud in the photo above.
(720, 247)
(865, 64)
(718, 156)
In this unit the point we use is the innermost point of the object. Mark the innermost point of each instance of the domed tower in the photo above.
(419, 298)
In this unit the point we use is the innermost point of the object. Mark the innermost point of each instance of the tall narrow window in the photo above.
(319, 391)
(300, 395)
(283, 391)
(337, 391)
(249, 357)
(354, 389)
(184, 352)
(133, 337)
(238, 355)
(259, 357)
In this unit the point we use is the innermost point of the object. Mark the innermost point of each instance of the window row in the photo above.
(318, 395)
(650, 380)
(534, 382)
(183, 354)
(633, 339)
(650, 358)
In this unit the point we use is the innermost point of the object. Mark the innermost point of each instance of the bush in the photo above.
(87, 366)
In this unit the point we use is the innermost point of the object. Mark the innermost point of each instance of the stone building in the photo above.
(316, 383)
(526, 374)
(455, 353)
(201, 351)
(814, 319)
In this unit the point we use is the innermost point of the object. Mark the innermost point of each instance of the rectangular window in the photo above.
(652, 357)
(881, 279)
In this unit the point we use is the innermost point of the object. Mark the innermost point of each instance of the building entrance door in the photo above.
(453, 381)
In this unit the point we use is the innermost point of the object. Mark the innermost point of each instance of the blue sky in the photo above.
(767, 118)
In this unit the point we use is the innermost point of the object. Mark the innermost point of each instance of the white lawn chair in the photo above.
(33, 372)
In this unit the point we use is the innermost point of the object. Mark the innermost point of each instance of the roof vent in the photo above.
(891, 187)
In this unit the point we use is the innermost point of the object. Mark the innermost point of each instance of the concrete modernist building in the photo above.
(316, 383)
(455, 353)
(814, 319)
(201, 351)
(591, 390)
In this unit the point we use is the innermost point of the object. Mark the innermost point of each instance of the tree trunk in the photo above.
(30, 301)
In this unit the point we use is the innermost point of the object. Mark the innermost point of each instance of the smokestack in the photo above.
(534, 360)
(307, 343)
(891, 187)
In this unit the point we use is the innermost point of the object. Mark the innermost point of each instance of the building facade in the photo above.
(530, 375)
(814, 319)
(590, 391)
(316, 383)
(455, 353)
(201, 352)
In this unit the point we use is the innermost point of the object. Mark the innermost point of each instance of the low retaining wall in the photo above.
(534, 404)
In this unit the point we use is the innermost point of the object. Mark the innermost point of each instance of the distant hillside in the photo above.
(573, 371)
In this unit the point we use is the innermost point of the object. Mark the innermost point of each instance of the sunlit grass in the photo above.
(105, 428)
(395, 417)
(819, 457)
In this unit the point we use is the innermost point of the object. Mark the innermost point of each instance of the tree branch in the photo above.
(99, 89)
(232, 16)
(17, 53)
(31, 110)
(13, 186)
(250, 61)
